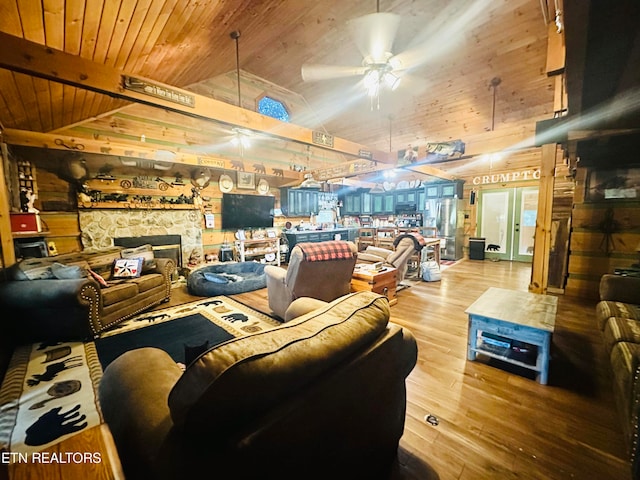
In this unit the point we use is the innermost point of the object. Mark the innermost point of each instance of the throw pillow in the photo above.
(68, 272)
(127, 267)
(143, 251)
(98, 278)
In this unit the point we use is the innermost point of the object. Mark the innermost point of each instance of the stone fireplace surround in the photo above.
(99, 227)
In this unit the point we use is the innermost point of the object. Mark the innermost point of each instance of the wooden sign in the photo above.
(158, 91)
(321, 138)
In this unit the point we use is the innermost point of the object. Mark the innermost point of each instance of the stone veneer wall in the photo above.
(100, 227)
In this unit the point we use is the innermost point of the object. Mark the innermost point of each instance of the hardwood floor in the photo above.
(493, 423)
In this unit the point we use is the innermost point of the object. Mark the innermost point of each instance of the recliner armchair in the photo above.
(320, 270)
(405, 246)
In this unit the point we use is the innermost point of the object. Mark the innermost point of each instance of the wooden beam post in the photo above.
(542, 245)
(6, 238)
(30, 58)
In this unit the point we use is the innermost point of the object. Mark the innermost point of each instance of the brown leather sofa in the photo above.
(322, 396)
(618, 317)
(39, 306)
(319, 270)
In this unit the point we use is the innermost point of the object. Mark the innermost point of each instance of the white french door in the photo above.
(507, 220)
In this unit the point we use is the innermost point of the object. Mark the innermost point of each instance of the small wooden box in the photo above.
(383, 282)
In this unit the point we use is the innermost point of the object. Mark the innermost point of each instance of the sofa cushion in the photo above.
(69, 272)
(148, 281)
(145, 252)
(618, 329)
(240, 379)
(625, 357)
(118, 292)
(32, 269)
(607, 309)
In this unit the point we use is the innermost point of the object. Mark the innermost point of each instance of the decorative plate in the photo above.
(270, 257)
(263, 187)
(225, 183)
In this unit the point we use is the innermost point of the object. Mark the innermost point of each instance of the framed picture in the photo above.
(408, 156)
(615, 184)
(246, 180)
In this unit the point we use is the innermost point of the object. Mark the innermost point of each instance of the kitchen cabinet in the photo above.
(353, 203)
(299, 201)
(367, 206)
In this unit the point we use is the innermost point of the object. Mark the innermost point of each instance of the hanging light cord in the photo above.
(236, 35)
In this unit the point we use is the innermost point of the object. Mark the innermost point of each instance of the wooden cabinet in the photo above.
(299, 201)
(367, 206)
(353, 203)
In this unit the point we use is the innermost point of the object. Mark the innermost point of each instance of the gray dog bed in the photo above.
(227, 279)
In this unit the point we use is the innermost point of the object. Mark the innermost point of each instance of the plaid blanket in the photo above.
(331, 250)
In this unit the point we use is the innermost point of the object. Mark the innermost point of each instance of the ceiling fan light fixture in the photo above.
(241, 137)
(391, 80)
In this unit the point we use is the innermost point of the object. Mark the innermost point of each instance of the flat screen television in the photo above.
(247, 211)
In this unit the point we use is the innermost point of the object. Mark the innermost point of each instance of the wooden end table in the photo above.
(514, 327)
(382, 282)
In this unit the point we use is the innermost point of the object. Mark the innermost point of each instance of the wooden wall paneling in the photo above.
(7, 251)
(31, 17)
(25, 91)
(54, 24)
(593, 251)
(158, 15)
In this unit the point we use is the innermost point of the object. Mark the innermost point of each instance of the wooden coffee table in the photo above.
(382, 282)
(514, 327)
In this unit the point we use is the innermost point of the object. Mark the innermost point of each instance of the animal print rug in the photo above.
(50, 390)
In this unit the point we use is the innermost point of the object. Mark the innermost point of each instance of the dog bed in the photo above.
(227, 279)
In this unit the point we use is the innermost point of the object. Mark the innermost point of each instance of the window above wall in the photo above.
(273, 108)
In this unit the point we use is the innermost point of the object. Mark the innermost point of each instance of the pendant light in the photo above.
(241, 136)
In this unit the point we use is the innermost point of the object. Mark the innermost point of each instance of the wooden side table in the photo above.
(89, 454)
(509, 316)
(382, 282)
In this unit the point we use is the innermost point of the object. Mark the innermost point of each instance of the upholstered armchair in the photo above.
(405, 246)
(319, 270)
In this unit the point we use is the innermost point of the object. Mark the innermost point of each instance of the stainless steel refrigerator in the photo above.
(450, 224)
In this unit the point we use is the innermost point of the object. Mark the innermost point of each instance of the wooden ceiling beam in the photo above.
(82, 145)
(20, 55)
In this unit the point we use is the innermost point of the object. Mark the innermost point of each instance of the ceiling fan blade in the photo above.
(312, 73)
(374, 35)
(450, 23)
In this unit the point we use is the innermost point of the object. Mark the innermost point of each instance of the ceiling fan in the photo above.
(374, 35)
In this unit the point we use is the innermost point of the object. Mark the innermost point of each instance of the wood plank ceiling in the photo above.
(464, 45)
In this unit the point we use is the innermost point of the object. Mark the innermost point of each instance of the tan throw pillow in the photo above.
(143, 251)
(127, 267)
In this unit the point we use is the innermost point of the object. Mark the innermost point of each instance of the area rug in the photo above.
(50, 390)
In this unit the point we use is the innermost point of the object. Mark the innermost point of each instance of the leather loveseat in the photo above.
(618, 317)
(322, 396)
(38, 303)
